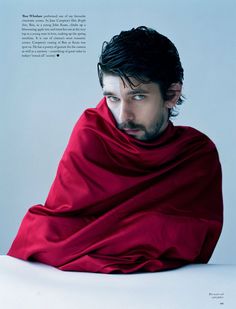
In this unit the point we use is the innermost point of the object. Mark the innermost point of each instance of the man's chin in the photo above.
(148, 137)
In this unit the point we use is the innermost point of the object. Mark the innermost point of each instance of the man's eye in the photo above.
(139, 97)
(113, 99)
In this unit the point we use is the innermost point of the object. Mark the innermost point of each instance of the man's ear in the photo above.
(173, 93)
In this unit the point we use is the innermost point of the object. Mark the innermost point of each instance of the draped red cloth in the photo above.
(121, 205)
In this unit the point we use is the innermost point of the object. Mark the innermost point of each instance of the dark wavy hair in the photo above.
(145, 55)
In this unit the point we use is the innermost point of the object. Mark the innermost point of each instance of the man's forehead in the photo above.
(113, 82)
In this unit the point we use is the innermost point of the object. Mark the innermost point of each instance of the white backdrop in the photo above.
(41, 99)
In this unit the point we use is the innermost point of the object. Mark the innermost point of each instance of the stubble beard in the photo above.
(149, 134)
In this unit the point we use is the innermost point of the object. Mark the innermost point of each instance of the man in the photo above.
(132, 192)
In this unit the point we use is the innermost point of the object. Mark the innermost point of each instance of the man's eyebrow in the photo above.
(130, 92)
(137, 91)
(107, 93)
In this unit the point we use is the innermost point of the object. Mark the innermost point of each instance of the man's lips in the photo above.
(131, 131)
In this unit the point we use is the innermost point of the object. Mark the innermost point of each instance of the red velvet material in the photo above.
(122, 205)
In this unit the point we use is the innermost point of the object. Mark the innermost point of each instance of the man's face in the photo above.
(139, 111)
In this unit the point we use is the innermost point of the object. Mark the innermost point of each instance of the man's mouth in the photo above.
(131, 128)
(131, 131)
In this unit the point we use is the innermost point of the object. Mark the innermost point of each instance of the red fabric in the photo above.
(122, 205)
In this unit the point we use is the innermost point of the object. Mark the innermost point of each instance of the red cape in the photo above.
(122, 205)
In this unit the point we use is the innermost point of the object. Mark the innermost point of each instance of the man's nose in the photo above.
(126, 111)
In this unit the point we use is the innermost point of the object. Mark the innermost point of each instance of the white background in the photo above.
(41, 99)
